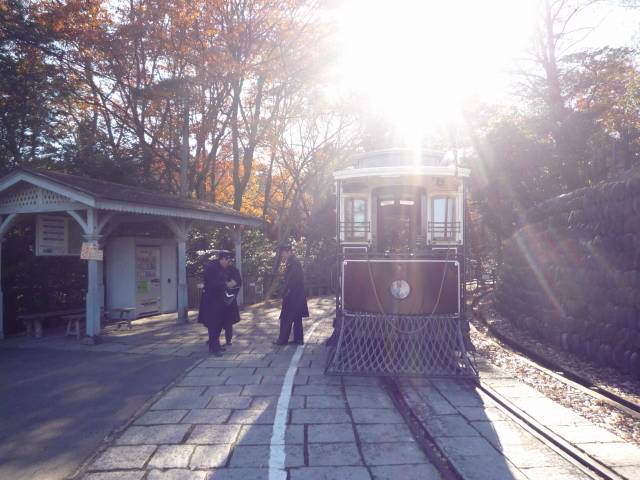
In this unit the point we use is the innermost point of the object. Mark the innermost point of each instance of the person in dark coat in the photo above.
(232, 316)
(215, 311)
(294, 299)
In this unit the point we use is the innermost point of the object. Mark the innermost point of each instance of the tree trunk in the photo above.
(240, 182)
(307, 254)
(235, 139)
(267, 188)
(184, 147)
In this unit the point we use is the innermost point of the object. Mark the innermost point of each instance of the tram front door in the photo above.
(397, 221)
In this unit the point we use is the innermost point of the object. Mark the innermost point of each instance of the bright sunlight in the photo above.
(417, 62)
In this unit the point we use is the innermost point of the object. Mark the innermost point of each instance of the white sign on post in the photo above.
(91, 251)
(57, 236)
(51, 235)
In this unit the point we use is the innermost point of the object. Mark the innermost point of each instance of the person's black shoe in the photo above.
(278, 342)
(296, 343)
(228, 344)
(215, 353)
(222, 349)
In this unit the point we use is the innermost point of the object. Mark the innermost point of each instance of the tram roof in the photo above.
(401, 171)
(403, 162)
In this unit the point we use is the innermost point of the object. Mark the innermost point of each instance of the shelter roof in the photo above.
(22, 191)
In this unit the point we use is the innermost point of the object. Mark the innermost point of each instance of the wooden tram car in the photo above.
(400, 302)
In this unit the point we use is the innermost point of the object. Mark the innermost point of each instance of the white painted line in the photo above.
(277, 453)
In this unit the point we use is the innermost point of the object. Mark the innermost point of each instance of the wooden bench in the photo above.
(75, 320)
(124, 316)
(33, 321)
(74, 323)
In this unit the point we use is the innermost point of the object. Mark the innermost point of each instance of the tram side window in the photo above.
(355, 224)
(443, 224)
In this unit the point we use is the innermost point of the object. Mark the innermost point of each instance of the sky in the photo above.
(418, 61)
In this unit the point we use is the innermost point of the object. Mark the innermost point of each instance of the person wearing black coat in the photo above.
(218, 306)
(294, 300)
(232, 315)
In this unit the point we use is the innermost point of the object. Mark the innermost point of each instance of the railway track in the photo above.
(420, 432)
(554, 370)
(591, 467)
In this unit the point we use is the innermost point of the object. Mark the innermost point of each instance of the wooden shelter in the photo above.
(99, 208)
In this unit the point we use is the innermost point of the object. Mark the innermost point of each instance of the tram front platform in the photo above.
(258, 412)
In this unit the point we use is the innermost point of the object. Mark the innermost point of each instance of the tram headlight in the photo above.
(400, 289)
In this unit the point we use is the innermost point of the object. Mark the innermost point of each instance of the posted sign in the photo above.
(57, 236)
(91, 251)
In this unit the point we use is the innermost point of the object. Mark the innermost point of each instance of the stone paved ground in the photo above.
(157, 335)
(56, 407)
(217, 421)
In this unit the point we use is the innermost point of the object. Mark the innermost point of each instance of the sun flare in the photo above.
(417, 62)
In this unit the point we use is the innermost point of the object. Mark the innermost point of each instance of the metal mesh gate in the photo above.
(380, 344)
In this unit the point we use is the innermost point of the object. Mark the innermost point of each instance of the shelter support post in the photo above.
(183, 304)
(93, 300)
(91, 227)
(1, 295)
(5, 224)
(237, 241)
(180, 229)
(101, 304)
(93, 288)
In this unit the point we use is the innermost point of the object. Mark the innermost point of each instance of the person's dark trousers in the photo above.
(228, 333)
(214, 338)
(285, 330)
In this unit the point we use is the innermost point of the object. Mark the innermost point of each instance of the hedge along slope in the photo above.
(571, 275)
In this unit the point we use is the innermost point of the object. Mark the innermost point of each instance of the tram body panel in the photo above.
(401, 287)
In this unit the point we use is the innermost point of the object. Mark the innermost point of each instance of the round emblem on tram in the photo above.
(400, 289)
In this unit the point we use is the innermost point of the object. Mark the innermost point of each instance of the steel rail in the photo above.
(590, 466)
(569, 451)
(579, 459)
(427, 443)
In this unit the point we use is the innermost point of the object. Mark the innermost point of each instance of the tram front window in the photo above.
(397, 224)
(355, 226)
(443, 226)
